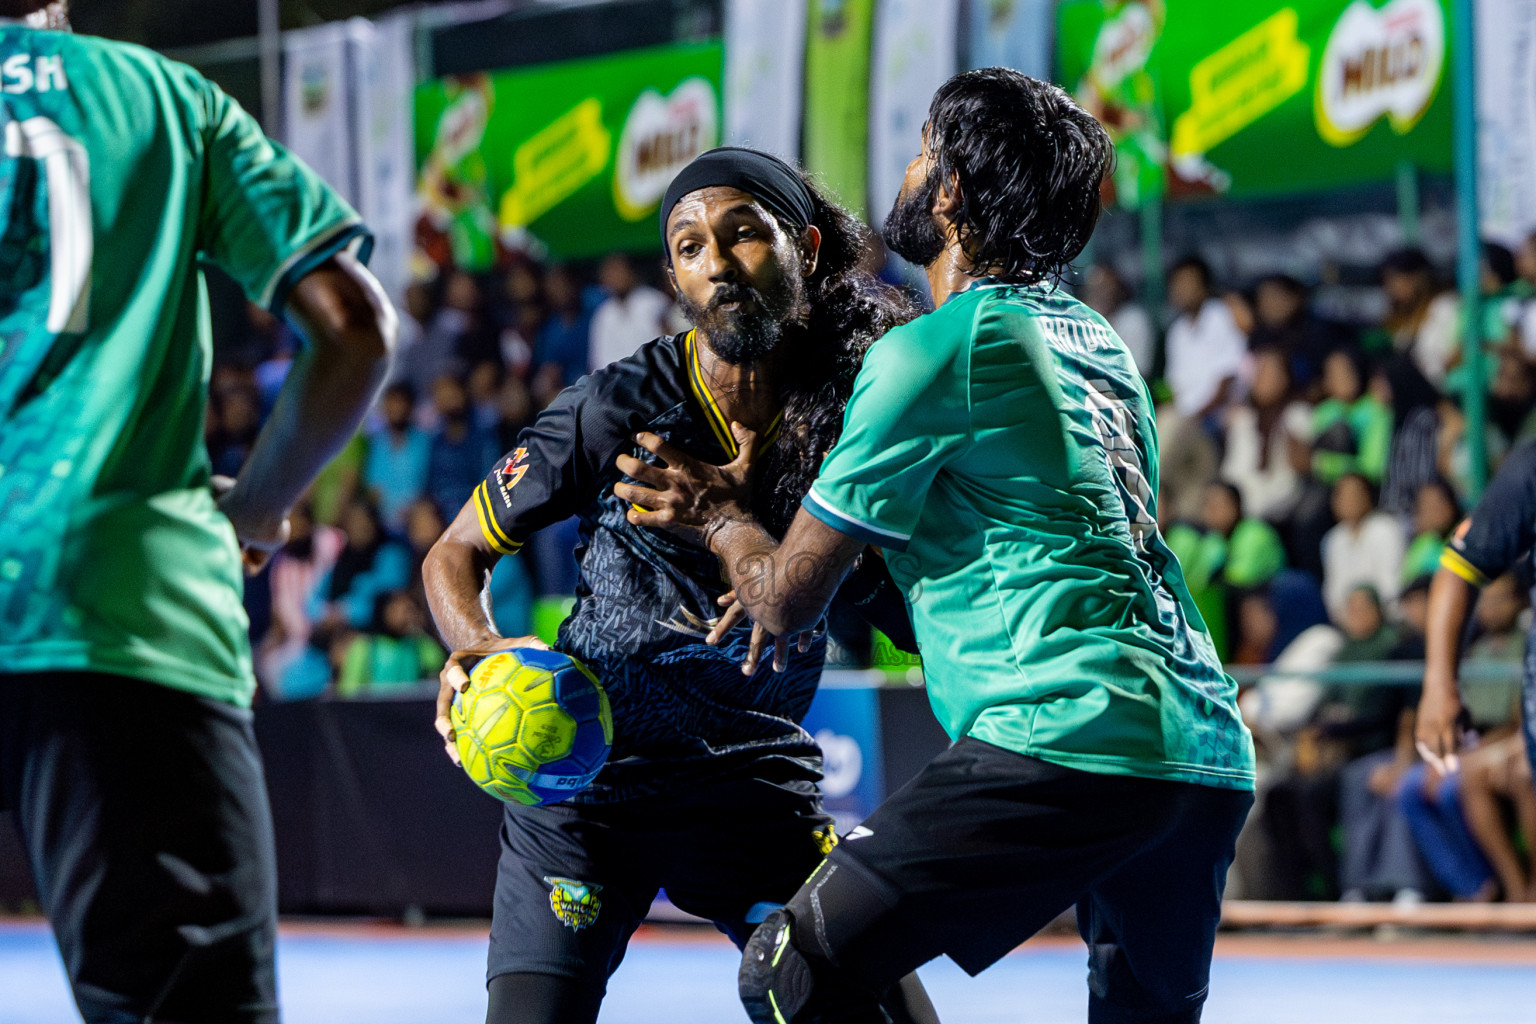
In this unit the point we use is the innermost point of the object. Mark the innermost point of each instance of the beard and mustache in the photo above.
(909, 230)
(741, 336)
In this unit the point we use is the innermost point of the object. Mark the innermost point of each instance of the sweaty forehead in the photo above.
(705, 204)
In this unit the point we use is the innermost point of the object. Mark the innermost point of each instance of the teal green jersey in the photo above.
(1002, 449)
(120, 170)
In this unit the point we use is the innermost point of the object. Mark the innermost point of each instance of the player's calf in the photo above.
(781, 984)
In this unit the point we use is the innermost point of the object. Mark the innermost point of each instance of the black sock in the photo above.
(542, 999)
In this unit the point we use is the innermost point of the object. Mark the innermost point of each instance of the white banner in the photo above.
(1506, 115)
(1013, 34)
(914, 53)
(764, 74)
(317, 103)
(347, 101)
(385, 59)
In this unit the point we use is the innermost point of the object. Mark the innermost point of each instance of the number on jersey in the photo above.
(1116, 425)
(67, 177)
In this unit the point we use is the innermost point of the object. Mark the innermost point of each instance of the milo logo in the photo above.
(1379, 63)
(661, 136)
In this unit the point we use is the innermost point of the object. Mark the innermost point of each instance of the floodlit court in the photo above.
(332, 974)
(485, 481)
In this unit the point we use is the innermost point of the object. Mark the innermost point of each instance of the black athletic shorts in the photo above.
(575, 880)
(984, 847)
(144, 816)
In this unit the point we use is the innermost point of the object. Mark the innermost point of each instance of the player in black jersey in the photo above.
(1498, 536)
(711, 790)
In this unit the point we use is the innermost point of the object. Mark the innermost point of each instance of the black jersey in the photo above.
(681, 708)
(1501, 531)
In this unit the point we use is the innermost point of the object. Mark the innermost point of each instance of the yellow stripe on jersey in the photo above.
(712, 413)
(492, 530)
(717, 421)
(1451, 559)
(770, 436)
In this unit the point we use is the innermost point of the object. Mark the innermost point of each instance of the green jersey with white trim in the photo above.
(1002, 448)
(119, 171)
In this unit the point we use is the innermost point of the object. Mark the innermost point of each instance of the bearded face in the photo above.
(909, 229)
(743, 323)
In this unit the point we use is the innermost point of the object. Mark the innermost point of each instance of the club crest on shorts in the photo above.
(574, 903)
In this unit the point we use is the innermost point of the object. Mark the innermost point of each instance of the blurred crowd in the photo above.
(342, 609)
(1311, 471)
(1312, 467)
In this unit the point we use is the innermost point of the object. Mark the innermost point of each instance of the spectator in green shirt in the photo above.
(1351, 428)
(398, 655)
(1232, 552)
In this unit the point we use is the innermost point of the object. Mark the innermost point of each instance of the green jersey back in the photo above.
(120, 170)
(1002, 449)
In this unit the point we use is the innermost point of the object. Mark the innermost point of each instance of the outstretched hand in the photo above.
(686, 495)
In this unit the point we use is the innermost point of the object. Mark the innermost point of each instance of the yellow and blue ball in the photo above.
(532, 727)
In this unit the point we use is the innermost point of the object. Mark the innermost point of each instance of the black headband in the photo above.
(768, 179)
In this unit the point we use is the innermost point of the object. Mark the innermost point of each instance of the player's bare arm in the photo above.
(455, 574)
(1439, 729)
(785, 587)
(344, 314)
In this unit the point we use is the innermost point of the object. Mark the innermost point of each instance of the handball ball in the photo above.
(532, 727)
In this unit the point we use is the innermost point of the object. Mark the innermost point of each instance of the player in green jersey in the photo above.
(126, 749)
(1002, 450)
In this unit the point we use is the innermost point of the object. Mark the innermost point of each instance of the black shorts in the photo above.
(985, 847)
(145, 820)
(576, 880)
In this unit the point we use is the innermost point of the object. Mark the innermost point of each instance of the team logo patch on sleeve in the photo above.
(574, 903)
(513, 471)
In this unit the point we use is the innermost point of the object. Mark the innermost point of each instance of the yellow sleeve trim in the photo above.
(1451, 559)
(488, 525)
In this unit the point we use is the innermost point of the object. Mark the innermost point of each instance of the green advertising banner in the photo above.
(1107, 54)
(576, 155)
(1266, 97)
(838, 37)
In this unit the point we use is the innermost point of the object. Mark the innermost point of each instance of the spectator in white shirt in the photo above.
(1365, 549)
(1108, 295)
(632, 314)
(1206, 347)
(1267, 437)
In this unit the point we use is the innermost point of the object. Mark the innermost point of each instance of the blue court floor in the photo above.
(434, 976)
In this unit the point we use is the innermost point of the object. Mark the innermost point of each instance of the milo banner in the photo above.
(574, 157)
(1107, 55)
(1266, 97)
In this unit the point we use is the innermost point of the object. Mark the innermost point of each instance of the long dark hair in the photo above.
(849, 309)
(1029, 162)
